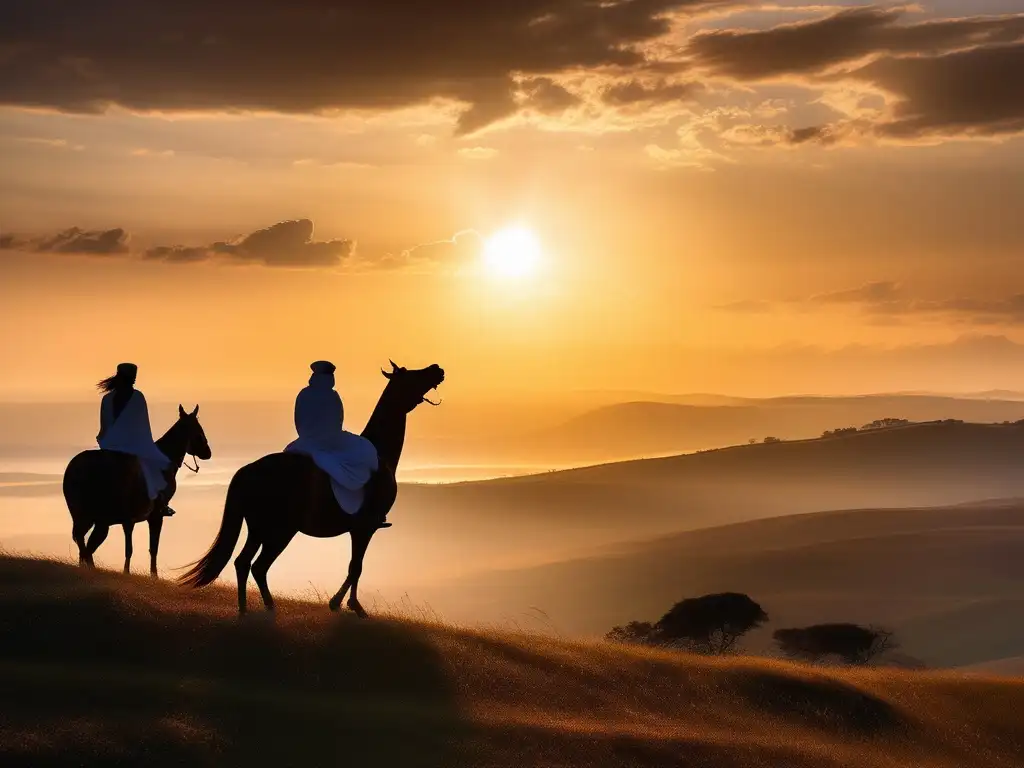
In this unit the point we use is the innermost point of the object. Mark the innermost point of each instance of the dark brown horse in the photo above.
(105, 488)
(284, 494)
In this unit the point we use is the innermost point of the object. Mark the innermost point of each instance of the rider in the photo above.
(124, 427)
(350, 460)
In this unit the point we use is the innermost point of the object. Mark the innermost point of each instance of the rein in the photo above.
(184, 462)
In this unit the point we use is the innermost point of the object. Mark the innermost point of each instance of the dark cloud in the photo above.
(941, 78)
(311, 55)
(773, 135)
(546, 96)
(810, 47)
(973, 92)
(286, 244)
(107, 242)
(638, 92)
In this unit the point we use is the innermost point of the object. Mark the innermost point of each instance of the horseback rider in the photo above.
(125, 428)
(349, 459)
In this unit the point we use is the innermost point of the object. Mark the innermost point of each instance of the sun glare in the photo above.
(512, 253)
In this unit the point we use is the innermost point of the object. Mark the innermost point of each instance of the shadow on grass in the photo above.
(823, 703)
(98, 669)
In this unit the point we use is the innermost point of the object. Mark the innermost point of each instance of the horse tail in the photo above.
(208, 567)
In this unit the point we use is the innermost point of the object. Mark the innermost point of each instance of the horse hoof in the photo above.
(334, 605)
(357, 609)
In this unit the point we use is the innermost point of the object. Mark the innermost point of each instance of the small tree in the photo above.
(710, 624)
(840, 432)
(636, 632)
(852, 643)
(885, 424)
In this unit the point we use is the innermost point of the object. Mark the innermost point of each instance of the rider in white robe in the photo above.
(129, 431)
(347, 458)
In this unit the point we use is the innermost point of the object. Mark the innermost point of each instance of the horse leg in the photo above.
(129, 529)
(78, 531)
(272, 549)
(98, 535)
(156, 524)
(360, 541)
(242, 565)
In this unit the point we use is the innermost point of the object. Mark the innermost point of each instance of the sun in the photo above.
(514, 252)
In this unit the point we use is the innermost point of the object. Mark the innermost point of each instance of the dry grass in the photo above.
(98, 669)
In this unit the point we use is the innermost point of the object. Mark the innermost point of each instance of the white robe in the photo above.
(130, 433)
(348, 459)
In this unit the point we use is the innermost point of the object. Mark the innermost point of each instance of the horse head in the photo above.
(410, 387)
(196, 443)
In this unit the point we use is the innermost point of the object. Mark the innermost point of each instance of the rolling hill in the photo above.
(99, 669)
(949, 580)
(547, 517)
(645, 428)
(447, 531)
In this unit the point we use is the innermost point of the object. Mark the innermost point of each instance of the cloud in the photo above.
(633, 92)
(977, 92)
(286, 244)
(810, 47)
(107, 242)
(546, 96)
(461, 249)
(943, 78)
(311, 57)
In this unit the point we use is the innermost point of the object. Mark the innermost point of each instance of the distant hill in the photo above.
(98, 669)
(593, 429)
(444, 531)
(640, 428)
(949, 580)
(549, 516)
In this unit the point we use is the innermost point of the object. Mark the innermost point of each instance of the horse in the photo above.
(283, 494)
(105, 488)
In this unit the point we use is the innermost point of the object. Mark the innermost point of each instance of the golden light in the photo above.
(512, 253)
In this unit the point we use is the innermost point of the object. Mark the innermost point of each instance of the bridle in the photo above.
(184, 463)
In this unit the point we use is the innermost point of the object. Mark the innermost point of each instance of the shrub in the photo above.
(852, 643)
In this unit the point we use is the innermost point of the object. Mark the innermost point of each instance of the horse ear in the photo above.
(181, 411)
(386, 374)
(393, 366)
(195, 411)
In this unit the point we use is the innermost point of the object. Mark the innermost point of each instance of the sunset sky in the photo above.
(740, 197)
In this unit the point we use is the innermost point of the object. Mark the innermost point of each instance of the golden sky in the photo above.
(735, 196)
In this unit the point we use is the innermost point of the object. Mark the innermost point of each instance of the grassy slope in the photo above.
(100, 669)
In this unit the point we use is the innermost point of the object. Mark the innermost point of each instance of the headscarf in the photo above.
(323, 374)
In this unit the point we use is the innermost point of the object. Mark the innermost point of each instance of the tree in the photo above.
(852, 643)
(636, 632)
(885, 424)
(710, 624)
(839, 432)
